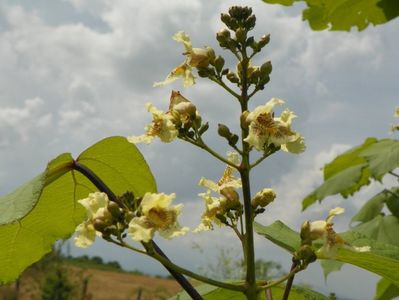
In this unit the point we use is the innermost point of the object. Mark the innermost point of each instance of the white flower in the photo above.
(213, 207)
(162, 126)
(157, 215)
(96, 209)
(195, 57)
(265, 129)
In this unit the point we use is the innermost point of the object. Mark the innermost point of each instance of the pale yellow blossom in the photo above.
(162, 126)
(213, 207)
(265, 129)
(195, 57)
(156, 216)
(96, 209)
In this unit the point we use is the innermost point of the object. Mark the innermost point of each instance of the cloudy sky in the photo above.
(75, 71)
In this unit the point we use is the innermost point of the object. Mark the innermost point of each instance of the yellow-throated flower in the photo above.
(265, 129)
(156, 215)
(162, 126)
(195, 57)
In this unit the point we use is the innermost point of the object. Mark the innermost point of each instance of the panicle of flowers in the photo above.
(265, 129)
(167, 126)
(195, 58)
(142, 217)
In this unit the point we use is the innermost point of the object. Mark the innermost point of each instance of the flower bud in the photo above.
(114, 209)
(99, 225)
(232, 77)
(203, 128)
(243, 120)
(264, 40)
(305, 233)
(306, 254)
(232, 197)
(250, 22)
(211, 54)
(219, 63)
(263, 198)
(266, 69)
(226, 19)
(224, 131)
(241, 35)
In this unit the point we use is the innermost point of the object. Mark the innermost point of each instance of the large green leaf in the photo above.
(382, 157)
(386, 290)
(345, 14)
(383, 229)
(51, 211)
(350, 171)
(371, 209)
(209, 292)
(346, 183)
(382, 259)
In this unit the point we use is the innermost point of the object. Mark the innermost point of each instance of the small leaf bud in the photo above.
(224, 131)
(263, 198)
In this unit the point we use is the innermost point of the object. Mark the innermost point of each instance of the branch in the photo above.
(184, 283)
(290, 280)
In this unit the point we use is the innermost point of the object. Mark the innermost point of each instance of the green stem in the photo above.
(220, 82)
(280, 280)
(203, 146)
(244, 170)
(191, 274)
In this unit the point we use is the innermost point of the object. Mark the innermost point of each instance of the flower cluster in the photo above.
(142, 217)
(181, 116)
(195, 58)
(217, 207)
(266, 130)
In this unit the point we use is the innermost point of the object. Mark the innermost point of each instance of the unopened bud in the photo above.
(224, 131)
(306, 254)
(203, 128)
(219, 63)
(232, 197)
(226, 19)
(233, 139)
(211, 54)
(243, 120)
(264, 40)
(266, 69)
(232, 77)
(241, 35)
(250, 22)
(114, 209)
(263, 198)
(99, 225)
